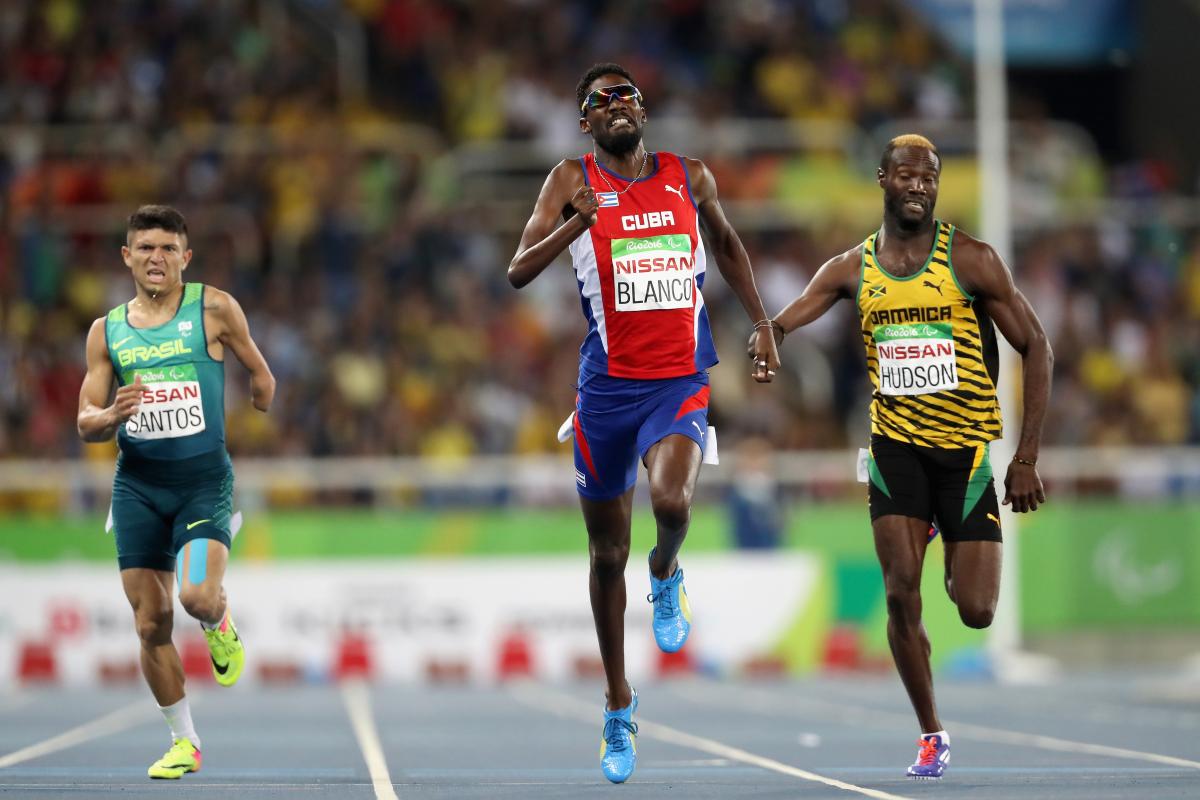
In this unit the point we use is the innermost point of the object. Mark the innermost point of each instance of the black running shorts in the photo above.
(950, 486)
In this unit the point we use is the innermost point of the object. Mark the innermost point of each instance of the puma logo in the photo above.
(937, 288)
(697, 424)
(994, 519)
(678, 191)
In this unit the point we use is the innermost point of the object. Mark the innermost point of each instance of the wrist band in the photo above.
(1025, 461)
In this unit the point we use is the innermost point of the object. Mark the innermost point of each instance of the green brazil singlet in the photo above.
(182, 416)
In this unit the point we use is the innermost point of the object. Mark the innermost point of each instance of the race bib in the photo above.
(916, 358)
(653, 273)
(171, 403)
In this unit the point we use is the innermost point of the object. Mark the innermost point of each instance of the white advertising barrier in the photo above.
(411, 612)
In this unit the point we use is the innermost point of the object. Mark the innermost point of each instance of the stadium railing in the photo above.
(1168, 472)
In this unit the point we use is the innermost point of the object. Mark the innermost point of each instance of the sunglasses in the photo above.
(599, 98)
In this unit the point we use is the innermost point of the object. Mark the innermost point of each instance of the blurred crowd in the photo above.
(329, 200)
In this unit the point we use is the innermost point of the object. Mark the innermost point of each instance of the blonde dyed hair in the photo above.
(908, 140)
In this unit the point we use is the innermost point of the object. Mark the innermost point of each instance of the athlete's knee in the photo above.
(904, 607)
(608, 560)
(154, 621)
(201, 602)
(975, 614)
(903, 593)
(672, 506)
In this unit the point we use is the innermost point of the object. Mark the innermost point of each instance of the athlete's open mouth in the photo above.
(915, 205)
(155, 274)
(620, 121)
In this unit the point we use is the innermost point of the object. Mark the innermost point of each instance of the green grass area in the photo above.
(837, 529)
(365, 533)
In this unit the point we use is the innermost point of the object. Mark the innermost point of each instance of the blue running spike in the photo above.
(672, 613)
(618, 747)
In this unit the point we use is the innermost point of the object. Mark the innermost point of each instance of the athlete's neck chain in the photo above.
(628, 186)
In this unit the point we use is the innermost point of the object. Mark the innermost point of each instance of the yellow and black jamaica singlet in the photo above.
(931, 352)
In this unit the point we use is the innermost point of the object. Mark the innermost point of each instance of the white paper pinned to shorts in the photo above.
(710, 447)
(711, 456)
(861, 465)
(567, 429)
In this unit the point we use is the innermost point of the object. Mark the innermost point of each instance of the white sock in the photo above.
(179, 717)
(945, 736)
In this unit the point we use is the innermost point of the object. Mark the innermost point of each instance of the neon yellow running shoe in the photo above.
(226, 651)
(182, 757)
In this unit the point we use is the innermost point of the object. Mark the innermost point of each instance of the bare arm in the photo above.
(543, 240)
(837, 278)
(233, 331)
(734, 264)
(987, 276)
(97, 420)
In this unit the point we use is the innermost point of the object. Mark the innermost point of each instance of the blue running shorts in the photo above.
(618, 419)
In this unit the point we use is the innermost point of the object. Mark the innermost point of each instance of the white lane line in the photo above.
(771, 706)
(564, 705)
(130, 716)
(1063, 745)
(358, 707)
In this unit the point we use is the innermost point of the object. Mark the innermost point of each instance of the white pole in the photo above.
(991, 125)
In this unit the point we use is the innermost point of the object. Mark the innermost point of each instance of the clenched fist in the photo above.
(128, 400)
(585, 204)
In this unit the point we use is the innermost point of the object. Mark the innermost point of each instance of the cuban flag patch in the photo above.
(607, 199)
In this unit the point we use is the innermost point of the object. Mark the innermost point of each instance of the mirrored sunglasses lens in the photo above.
(602, 97)
(627, 93)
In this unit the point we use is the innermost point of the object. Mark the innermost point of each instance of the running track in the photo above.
(1094, 737)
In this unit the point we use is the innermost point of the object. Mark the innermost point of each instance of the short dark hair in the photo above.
(908, 140)
(148, 218)
(607, 68)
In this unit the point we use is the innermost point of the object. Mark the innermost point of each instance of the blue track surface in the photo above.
(1094, 738)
